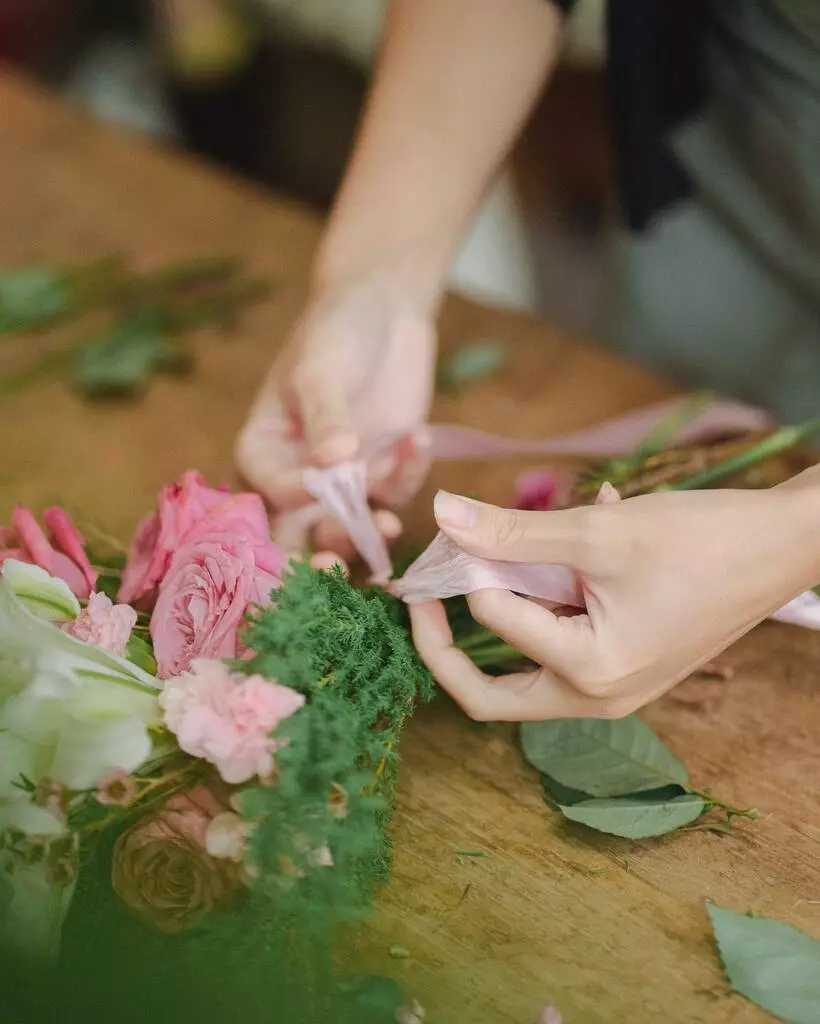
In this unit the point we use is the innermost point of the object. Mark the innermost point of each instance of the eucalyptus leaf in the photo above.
(635, 817)
(123, 362)
(476, 361)
(601, 757)
(771, 963)
(555, 794)
(32, 297)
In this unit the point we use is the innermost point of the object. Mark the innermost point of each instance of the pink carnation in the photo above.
(209, 586)
(61, 552)
(227, 719)
(104, 624)
(186, 508)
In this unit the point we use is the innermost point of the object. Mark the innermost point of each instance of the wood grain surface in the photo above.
(608, 930)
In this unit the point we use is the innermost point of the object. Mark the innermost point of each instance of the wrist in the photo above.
(410, 274)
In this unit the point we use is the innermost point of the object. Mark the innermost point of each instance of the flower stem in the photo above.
(781, 440)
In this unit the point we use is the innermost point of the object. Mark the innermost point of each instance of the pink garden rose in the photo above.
(61, 552)
(184, 508)
(104, 624)
(210, 584)
(227, 719)
(163, 872)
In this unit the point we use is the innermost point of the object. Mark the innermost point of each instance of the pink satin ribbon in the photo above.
(444, 570)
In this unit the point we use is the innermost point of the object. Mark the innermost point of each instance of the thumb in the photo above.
(325, 416)
(510, 535)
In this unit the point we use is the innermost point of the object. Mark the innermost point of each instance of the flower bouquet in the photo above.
(197, 755)
(198, 743)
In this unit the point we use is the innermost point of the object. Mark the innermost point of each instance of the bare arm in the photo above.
(456, 80)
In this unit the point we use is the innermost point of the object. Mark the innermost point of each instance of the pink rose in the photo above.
(210, 584)
(61, 553)
(104, 624)
(158, 536)
(163, 872)
(185, 509)
(227, 719)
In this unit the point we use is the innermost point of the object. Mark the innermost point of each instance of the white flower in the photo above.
(81, 712)
(47, 596)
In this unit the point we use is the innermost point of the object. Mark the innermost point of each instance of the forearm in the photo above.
(455, 81)
(796, 515)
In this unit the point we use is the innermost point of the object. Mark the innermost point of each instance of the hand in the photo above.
(670, 580)
(359, 364)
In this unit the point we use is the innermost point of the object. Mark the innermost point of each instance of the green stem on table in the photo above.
(781, 440)
(713, 803)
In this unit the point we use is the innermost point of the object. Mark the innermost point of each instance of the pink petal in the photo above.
(137, 577)
(63, 567)
(68, 539)
(8, 538)
(17, 553)
(33, 539)
(444, 570)
(540, 490)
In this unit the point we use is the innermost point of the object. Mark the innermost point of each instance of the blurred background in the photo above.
(272, 89)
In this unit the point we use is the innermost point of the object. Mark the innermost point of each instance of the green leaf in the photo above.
(123, 362)
(108, 585)
(32, 297)
(771, 963)
(556, 794)
(139, 652)
(472, 362)
(636, 817)
(601, 757)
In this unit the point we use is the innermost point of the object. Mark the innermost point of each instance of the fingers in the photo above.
(561, 644)
(269, 455)
(329, 535)
(509, 535)
(307, 527)
(324, 414)
(518, 697)
(409, 463)
(324, 560)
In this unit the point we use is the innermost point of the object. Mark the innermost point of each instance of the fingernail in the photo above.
(453, 510)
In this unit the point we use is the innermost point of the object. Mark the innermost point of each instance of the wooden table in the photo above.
(608, 930)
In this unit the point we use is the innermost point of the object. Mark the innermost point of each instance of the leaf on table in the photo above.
(556, 794)
(476, 361)
(771, 963)
(123, 362)
(32, 297)
(637, 817)
(601, 757)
